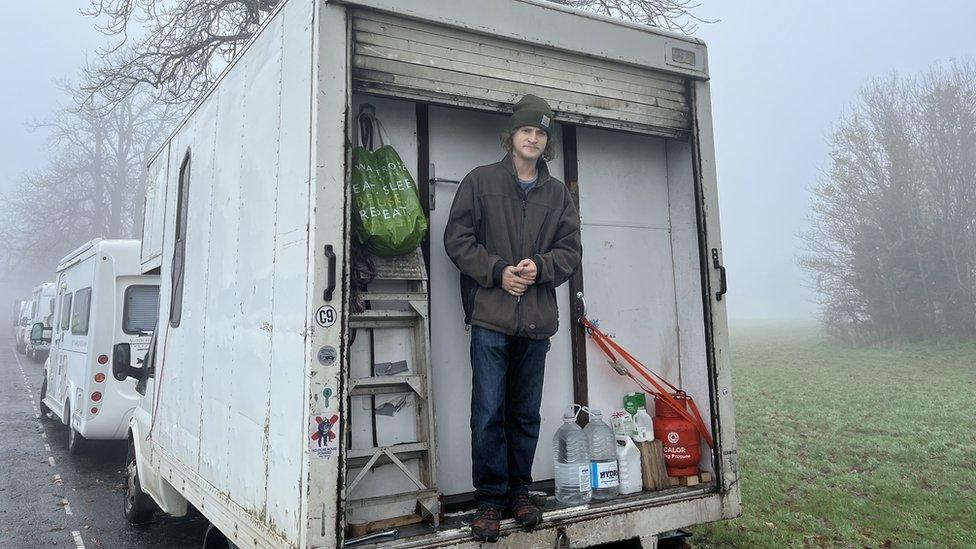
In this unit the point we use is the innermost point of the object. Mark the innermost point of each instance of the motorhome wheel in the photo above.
(137, 505)
(43, 395)
(75, 440)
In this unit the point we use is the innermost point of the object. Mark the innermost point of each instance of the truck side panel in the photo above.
(177, 424)
(287, 374)
(230, 410)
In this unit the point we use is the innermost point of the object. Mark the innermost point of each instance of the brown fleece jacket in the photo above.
(494, 224)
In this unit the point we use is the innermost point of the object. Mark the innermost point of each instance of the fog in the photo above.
(44, 41)
(782, 75)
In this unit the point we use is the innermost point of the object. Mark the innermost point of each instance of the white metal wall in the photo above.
(641, 269)
(231, 377)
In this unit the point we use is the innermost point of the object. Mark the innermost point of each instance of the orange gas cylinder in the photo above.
(678, 436)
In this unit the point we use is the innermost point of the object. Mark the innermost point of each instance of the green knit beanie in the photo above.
(531, 111)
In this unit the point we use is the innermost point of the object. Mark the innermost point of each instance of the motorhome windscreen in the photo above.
(140, 309)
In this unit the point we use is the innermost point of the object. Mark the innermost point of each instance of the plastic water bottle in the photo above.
(629, 466)
(571, 461)
(603, 457)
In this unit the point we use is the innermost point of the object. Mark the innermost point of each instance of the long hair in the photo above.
(547, 154)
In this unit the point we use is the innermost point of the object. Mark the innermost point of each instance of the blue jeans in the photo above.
(506, 393)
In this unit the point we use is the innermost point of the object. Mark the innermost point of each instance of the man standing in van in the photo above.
(514, 233)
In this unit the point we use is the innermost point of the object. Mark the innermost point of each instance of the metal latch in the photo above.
(432, 185)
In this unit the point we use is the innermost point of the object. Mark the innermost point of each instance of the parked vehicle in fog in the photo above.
(22, 325)
(38, 335)
(15, 316)
(102, 299)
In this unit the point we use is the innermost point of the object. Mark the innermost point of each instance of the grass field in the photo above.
(851, 447)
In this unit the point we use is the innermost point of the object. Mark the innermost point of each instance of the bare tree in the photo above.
(182, 42)
(673, 15)
(892, 244)
(92, 185)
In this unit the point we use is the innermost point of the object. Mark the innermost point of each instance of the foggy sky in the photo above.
(42, 41)
(782, 74)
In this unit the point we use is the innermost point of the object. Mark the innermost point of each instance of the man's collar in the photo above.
(543, 176)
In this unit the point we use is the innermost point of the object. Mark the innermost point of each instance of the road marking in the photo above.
(66, 506)
(50, 460)
(79, 542)
(43, 434)
(47, 447)
(58, 480)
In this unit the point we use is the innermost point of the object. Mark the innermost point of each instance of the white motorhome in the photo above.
(41, 313)
(102, 299)
(21, 325)
(284, 415)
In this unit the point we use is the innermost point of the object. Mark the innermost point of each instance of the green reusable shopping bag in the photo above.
(388, 218)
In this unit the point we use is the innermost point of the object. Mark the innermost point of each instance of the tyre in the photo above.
(215, 539)
(137, 505)
(76, 442)
(41, 405)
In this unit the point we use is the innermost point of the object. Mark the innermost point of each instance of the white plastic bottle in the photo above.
(571, 461)
(644, 425)
(603, 457)
(629, 466)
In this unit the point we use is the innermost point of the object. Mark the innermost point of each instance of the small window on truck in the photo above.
(141, 305)
(65, 312)
(179, 246)
(79, 317)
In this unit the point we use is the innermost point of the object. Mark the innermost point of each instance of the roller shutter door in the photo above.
(405, 58)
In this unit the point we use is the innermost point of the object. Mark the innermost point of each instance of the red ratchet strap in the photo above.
(609, 346)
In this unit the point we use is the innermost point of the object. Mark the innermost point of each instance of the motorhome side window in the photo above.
(179, 246)
(65, 312)
(140, 309)
(79, 316)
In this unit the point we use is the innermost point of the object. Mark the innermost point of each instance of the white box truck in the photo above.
(284, 414)
(102, 299)
(41, 313)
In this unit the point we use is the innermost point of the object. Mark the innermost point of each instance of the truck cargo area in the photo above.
(641, 278)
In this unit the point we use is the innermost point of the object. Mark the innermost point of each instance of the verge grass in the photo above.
(851, 446)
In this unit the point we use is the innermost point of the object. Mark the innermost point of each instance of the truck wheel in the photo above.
(137, 505)
(215, 539)
(41, 405)
(76, 442)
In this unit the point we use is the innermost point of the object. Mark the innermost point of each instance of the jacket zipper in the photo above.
(518, 302)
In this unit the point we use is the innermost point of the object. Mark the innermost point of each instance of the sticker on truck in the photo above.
(324, 439)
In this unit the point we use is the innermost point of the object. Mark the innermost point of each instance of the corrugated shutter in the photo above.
(425, 62)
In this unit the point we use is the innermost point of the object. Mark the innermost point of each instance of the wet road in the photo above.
(51, 499)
